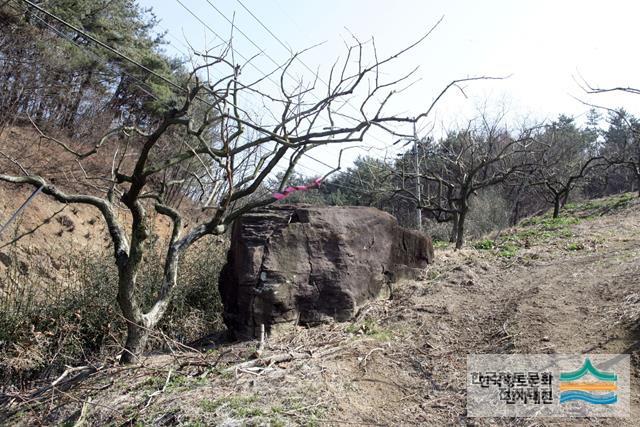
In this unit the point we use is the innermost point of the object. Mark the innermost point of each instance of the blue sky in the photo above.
(542, 45)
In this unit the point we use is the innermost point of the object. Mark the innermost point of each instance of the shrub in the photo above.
(575, 246)
(489, 212)
(439, 231)
(196, 308)
(486, 244)
(78, 319)
(44, 329)
(508, 250)
(440, 244)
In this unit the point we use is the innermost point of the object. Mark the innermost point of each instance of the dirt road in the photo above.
(563, 286)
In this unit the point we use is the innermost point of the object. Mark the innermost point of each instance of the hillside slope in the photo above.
(566, 285)
(39, 241)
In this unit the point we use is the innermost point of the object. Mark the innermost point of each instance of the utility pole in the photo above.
(417, 172)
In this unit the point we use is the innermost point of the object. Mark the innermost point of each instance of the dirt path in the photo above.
(567, 296)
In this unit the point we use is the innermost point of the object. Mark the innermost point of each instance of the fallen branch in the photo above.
(67, 372)
(268, 361)
(84, 414)
(363, 361)
(62, 383)
(157, 392)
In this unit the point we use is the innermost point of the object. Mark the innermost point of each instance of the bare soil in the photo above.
(39, 241)
(565, 286)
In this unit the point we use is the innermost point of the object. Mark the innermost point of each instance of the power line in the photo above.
(285, 13)
(268, 30)
(125, 57)
(318, 161)
(386, 147)
(281, 44)
(105, 61)
(183, 44)
(121, 55)
(96, 55)
(159, 76)
(207, 26)
(221, 38)
(186, 55)
(102, 59)
(233, 25)
(297, 58)
(103, 45)
(263, 51)
(109, 48)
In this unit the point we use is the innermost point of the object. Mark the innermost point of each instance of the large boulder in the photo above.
(307, 265)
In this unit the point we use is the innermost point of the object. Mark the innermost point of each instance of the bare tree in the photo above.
(217, 154)
(626, 152)
(565, 156)
(454, 169)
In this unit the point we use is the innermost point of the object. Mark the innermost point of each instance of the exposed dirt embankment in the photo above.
(46, 235)
(565, 285)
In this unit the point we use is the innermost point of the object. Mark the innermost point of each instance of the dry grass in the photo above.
(77, 320)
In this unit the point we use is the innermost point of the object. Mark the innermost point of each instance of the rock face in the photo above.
(307, 265)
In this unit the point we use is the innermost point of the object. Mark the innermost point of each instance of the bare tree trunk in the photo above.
(72, 111)
(140, 324)
(137, 334)
(565, 198)
(454, 228)
(556, 205)
(515, 213)
(137, 337)
(460, 230)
